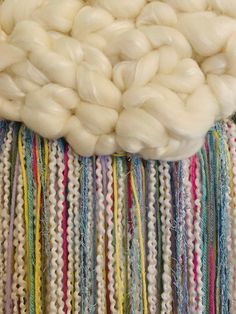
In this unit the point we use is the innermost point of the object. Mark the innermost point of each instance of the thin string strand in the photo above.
(142, 254)
(118, 273)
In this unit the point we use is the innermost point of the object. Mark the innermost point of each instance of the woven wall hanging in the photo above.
(117, 156)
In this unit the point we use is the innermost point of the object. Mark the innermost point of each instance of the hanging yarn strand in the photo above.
(8, 289)
(89, 252)
(109, 232)
(76, 299)
(140, 236)
(197, 233)
(165, 208)
(5, 213)
(1, 233)
(121, 232)
(118, 245)
(100, 268)
(116, 234)
(52, 217)
(231, 136)
(70, 230)
(152, 243)
(60, 232)
(189, 231)
(19, 289)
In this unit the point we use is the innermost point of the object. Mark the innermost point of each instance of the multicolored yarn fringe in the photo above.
(116, 234)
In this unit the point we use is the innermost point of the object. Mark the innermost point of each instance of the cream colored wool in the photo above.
(148, 77)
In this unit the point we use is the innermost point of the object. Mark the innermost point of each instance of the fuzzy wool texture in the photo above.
(146, 77)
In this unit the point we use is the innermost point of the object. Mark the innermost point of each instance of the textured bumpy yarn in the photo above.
(147, 77)
(116, 234)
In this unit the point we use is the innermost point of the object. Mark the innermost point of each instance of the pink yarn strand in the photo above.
(64, 226)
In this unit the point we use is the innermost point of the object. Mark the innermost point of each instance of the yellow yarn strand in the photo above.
(37, 234)
(117, 257)
(138, 212)
(26, 205)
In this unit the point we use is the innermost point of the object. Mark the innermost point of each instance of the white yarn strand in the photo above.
(165, 207)
(152, 242)
(5, 216)
(19, 276)
(59, 235)
(101, 237)
(197, 234)
(70, 229)
(51, 200)
(110, 230)
(76, 181)
(121, 218)
(189, 231)
(231, 131)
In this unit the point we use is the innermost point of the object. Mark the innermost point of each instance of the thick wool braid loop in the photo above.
(147, 77)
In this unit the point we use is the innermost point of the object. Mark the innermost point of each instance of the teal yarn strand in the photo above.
(84, 235)
(29, 161)
(94, 288)
(224, 221)
(204, 233)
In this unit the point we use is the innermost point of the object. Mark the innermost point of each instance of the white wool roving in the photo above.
(147, 77)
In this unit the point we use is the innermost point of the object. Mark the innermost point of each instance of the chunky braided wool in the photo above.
(125, 235)
(140, 76)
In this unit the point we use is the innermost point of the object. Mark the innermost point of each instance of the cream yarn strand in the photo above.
(19, 277)
(197, 235)
(110, 230)
(165, 207)
(121, 220)
(5, 217)
(189, 231)
(59, 236)
(152, 243)
(100, 268)
(70, 229)
(51, 200)
(231, 131)
(76, 181)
